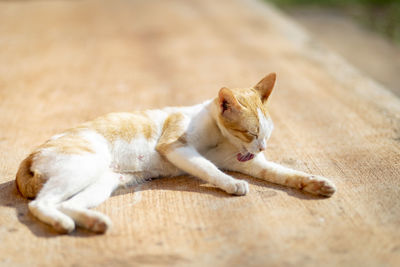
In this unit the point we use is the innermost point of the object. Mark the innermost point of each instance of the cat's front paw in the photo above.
(320, 186)
(238, 187)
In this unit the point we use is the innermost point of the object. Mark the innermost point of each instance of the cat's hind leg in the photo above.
(78, 206)
(46, 211)
(57, 189)
(65, 175)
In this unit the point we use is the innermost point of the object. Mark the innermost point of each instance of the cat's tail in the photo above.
(29, 182)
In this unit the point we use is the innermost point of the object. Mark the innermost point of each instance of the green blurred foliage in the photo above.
(335, 2)
(379, 15)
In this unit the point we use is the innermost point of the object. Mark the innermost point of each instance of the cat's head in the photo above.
(243, 117)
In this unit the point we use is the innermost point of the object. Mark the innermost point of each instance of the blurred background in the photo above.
(365, 32)
(67, 61)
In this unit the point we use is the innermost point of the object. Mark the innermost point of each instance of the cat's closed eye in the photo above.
(253, 134)
(247, 132)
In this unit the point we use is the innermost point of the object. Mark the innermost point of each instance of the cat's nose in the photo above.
(262, 147)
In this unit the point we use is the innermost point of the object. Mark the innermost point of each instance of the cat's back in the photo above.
(126, 126)
(107, 130)
(146, 124)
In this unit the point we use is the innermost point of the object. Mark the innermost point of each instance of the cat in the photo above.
(81, 167)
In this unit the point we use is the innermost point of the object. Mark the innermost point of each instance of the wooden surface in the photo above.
(65, 62)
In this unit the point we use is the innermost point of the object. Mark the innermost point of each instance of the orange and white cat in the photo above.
(81, 167)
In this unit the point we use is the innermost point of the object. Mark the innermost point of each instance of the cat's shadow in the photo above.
(10, 197)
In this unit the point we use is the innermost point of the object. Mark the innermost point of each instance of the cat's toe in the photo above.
(101, 226)
(64, 226)
(239, 188)
(98, 224)
(320, 186)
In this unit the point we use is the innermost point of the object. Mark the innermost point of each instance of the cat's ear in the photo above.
(227, 102)
(265, 86)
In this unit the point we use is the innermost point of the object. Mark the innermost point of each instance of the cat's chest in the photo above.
(223, 154)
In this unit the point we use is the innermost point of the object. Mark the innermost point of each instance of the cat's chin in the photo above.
(244, 157)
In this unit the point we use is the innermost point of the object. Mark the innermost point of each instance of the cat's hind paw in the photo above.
(319, 186)
(238, 187)
(96, 222)
(64, 226)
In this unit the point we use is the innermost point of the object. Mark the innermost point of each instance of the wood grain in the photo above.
(65, 62)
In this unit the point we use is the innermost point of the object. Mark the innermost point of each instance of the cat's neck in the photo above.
(203, 128)
(214, 109)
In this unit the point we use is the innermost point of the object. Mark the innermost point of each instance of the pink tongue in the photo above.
(245, 157)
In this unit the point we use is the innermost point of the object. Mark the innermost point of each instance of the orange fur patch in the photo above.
(125, 126)
(69, 144)
(28, 182)
(173, 134)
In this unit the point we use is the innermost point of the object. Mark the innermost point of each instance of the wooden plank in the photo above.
(64, 62)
